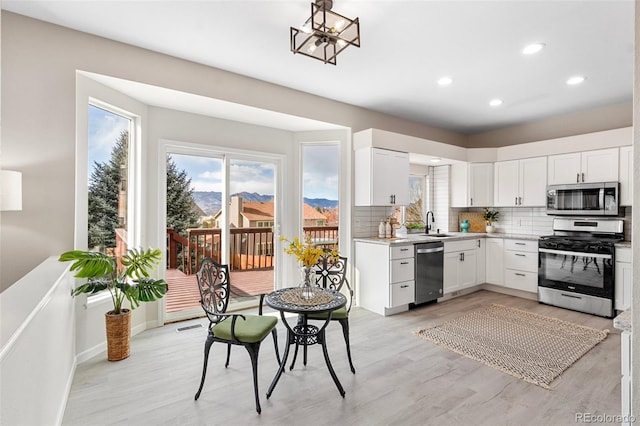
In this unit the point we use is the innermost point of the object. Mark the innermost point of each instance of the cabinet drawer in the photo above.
(402, 252)
(402, 270)
(522, 260)
(451, 246)
(623, 255)
(521, 245)
(521, 280)
(402, 293)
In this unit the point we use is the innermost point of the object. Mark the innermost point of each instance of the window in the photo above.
(108, 180)
(320, 189)
(414, 212)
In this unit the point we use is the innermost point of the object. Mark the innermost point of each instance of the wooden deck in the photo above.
(183, 289)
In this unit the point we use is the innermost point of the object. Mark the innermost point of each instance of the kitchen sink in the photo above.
(439, 235)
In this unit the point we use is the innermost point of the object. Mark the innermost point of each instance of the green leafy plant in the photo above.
(131, 281)
(490, 216)
(415, 225)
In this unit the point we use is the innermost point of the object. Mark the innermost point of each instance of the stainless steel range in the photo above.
(576, 264)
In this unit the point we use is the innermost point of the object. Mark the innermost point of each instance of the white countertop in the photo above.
(623, 321)
(452, 236)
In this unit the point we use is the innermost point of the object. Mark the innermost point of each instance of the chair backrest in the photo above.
(331, 272)
(214, 286)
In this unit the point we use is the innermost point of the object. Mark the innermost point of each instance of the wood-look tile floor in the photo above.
(400, 379)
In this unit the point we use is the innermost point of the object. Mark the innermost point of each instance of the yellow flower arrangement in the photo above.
(305, 252)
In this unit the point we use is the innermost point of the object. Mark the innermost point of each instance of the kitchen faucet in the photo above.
(433, 219)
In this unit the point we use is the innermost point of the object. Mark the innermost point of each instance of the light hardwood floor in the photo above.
(400, 379)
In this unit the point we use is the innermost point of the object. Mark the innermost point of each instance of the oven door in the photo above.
(584, 273)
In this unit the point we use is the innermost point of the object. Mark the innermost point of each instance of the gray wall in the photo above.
(39, 63)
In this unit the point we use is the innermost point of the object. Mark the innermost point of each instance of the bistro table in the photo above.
(290, 300)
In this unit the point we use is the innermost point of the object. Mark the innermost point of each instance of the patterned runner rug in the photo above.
(529, 346)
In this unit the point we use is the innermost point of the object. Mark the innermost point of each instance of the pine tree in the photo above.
(181, 209)
(104, 192)
(103, 196)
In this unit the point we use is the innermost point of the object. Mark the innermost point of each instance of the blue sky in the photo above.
(320, 163)
(104, 130)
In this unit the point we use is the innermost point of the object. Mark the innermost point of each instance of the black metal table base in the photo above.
(305, 335)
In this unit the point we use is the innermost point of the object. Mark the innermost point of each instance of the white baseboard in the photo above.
(63, 404)
(102, 346)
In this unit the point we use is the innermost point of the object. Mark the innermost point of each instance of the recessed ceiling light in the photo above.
(495, 102)
(445, 81)
(575, 80)
(435, 160)
(533, 48)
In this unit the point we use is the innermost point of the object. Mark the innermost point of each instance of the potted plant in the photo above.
(128, 279)
(489, 217)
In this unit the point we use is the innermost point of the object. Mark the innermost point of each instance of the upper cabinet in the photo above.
(589, 166)
(626, 175)
(381, 177)
(472, 185)
(520, 182)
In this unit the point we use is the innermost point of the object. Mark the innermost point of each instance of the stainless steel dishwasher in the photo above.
(429, 271)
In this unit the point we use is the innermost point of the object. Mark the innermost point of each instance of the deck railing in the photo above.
(251, 248)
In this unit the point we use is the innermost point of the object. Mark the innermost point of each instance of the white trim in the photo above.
(8, 346)
(98, 299)
(101, 347)
(67, 391)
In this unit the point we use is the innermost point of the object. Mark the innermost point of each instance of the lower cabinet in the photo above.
(460, 265)
(385, 277)
(494, 261)
(521, 265)
(623, 279)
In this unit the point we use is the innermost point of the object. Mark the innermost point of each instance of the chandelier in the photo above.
(325, 33)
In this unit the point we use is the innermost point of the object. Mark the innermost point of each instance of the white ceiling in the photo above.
(406, 47)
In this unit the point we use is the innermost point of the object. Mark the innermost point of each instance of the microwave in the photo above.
(584, 199)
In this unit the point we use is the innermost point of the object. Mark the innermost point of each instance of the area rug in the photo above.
(529, 346)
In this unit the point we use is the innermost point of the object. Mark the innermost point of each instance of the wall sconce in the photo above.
(10, 190)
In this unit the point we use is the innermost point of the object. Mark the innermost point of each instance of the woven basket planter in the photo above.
(118, 335)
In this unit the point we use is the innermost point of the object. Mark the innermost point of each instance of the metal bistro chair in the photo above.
(331, 273)
(232, 329)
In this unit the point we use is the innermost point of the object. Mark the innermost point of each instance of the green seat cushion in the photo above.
(337, 314)
(250, 330)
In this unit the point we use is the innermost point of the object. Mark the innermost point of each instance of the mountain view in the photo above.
(210, 202)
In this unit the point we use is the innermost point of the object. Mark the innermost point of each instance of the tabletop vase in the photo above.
(306, 285)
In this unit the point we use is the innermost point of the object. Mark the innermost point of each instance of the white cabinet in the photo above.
(384, 277)
(623, 279)
(481, 262)
(521, 265)
(589, 166)
(495, 261)
(472, 185)
(626, 176)
(381, 177)
(460, 265)
(520, 182)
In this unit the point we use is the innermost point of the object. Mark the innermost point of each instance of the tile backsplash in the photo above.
(513, 220)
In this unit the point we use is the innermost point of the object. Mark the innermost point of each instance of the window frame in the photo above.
(91, 93)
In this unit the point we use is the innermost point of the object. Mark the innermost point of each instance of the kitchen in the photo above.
(570, 204)
(518, 184)
(520, 220)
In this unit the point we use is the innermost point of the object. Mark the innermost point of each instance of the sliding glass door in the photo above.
(223, 206)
